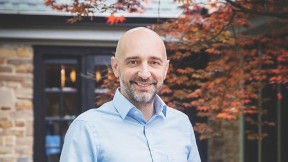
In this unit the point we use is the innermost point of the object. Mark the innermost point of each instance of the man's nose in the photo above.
(144, 72)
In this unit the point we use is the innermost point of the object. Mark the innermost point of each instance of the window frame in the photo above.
(86, 62)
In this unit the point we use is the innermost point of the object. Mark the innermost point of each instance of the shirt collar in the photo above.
(123, 105)
(160, 106)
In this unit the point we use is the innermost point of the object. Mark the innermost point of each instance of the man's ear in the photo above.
(166, 67)
(114, 65)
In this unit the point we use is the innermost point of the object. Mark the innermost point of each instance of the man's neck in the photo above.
(147, 109)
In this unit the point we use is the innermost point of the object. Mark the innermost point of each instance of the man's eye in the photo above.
(155, 62)
(132, 62)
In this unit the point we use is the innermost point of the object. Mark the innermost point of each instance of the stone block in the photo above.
(24, 93)
(7, 52)
(16, 132)
(9, 141)
(5, 108)
(19, 61)
(6, 69)
(28, 141)
(9, 158)
(25, 68)
(24, 105)
(2, 61)
(5, 124)
(24, 159)
(24, 52)
(1, 141)
(7, 97)
(19, 123)
(28, 77)
(5, 150)
(22, 115)
(12, 78)
(27, 84)
(23, 150)
(29, 128)
(13, 85)
(5, 115)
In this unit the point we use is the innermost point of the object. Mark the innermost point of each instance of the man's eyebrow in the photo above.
(137, 57)
(156, 58)
(131, 58)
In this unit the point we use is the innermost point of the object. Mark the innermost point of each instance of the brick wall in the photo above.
(16, 109)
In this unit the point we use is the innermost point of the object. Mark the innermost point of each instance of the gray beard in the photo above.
(137, 98)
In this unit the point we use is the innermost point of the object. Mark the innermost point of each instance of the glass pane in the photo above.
(70, 78)
(52, 104)
(101, 72)
(70, 104)
(53, 141)
(53, 127)
(61, 75)
(52, 73)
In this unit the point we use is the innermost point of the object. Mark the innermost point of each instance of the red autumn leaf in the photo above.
(202, 108)
(111, 19)
(121, 19)
(250, 111)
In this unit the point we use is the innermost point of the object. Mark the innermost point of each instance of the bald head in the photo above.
(141, 65)
(139, 37)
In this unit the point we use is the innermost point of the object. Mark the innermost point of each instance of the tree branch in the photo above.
(224, 26)
(282, 15)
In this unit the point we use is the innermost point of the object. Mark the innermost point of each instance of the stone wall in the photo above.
(16, 108)
(225, 148)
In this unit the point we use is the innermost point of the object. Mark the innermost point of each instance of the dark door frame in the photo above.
(84, 55)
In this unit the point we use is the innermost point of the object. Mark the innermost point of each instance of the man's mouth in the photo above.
(143, 84)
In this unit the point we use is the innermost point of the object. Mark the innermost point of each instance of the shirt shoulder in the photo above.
(95, 114)
(174, 113)
(180, 119)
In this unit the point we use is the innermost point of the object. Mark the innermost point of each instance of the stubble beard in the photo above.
(139, 97)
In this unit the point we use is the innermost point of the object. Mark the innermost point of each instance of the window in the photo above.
(61, 102)
(67, 82)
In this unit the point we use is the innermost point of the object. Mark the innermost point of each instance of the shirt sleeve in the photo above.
(193, 155)
(79, 144)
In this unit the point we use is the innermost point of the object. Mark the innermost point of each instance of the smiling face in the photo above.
(141, 64)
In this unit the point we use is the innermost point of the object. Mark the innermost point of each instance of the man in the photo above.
(136, 126)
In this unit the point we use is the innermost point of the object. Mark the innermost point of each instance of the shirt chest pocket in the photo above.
(178, 150)
(169, 157)
(172, 151)
(175, 157)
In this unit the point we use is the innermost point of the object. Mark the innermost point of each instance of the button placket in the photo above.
(146, 134)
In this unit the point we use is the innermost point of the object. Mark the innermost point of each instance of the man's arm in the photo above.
(79, 144)
(193, 153)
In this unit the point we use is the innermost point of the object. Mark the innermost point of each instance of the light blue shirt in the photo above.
(118, 132)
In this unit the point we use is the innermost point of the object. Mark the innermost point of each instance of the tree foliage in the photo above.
(241, 57)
